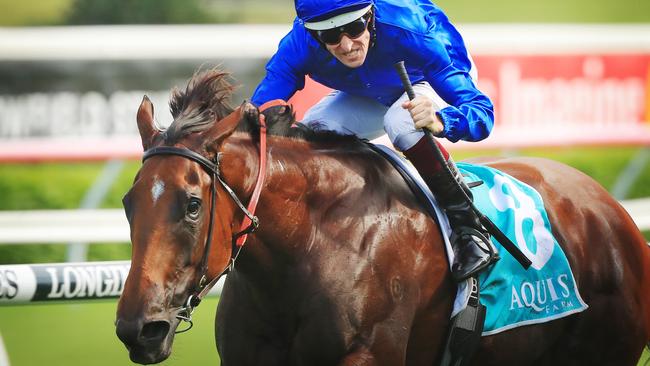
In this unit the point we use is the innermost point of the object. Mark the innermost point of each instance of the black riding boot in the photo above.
(470, 241)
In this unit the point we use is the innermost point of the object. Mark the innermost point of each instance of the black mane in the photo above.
(281, 121)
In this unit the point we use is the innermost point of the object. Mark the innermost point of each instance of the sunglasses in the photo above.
(353, 30)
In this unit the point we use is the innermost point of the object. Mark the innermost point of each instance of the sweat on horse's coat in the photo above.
(347, 268)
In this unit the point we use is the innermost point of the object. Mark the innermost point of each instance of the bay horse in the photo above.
(346, 267)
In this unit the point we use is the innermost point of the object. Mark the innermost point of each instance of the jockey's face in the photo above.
(351, 51)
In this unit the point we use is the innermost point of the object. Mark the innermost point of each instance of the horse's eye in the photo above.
(193, 208)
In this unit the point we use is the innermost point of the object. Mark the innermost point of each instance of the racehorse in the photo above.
(346, 267)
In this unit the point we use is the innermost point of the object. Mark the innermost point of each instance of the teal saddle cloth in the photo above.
(513, 295)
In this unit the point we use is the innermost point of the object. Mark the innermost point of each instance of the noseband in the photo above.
(249, 224)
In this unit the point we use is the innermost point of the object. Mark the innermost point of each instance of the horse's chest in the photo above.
(314, 330)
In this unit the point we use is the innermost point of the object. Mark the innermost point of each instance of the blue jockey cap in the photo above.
(327, 14)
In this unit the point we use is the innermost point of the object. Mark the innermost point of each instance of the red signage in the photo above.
(559, 90)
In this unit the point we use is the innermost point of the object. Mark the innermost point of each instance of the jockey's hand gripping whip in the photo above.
(485, 221)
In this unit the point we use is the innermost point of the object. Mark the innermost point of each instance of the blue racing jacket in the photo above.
(414, 31)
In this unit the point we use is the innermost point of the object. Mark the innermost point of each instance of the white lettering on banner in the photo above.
(524, 210)
(75, 114)
(8, 284)
(589, 98)
(90, 281)
(541, 295)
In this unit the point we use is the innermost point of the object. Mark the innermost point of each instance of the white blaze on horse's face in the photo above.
(157, 189)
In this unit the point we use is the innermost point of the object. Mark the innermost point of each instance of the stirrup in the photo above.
(484, 244)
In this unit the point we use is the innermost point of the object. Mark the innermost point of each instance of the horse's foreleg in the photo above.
(384, 351)
(360, 357)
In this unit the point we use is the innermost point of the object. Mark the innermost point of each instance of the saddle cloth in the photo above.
(512, 295)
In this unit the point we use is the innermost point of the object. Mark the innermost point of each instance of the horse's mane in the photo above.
(281, 121)
(206, 99)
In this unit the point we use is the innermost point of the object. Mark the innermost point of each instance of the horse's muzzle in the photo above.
(147, 342)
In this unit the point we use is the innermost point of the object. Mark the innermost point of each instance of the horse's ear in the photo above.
(251, 113)
(146, 125)
(226, 126)
(221, 129)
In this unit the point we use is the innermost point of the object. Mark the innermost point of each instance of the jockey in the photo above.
(351, 47)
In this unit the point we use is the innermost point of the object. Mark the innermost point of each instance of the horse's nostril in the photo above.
(154, 330)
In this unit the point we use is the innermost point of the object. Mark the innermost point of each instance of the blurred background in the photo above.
(570, 81)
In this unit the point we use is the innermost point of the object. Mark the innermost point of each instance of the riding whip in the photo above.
(485, 221)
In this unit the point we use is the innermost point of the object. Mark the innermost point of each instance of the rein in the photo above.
(249, 224)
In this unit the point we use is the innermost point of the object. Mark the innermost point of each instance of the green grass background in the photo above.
(52, 12)
(84, 334)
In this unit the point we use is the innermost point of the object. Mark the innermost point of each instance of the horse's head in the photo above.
(179, 215)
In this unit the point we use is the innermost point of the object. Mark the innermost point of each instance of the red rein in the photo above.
(255, 197)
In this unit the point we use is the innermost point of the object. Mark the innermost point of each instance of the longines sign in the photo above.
(65, 281)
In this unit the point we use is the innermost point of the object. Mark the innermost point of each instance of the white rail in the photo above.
(639, 209)
(63, 226)
(132, 42)
(110, 225)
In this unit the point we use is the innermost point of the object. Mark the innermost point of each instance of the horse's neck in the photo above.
(321, 204)
(298, 181)
(284, 212)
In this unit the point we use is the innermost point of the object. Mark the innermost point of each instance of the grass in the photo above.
(84, 334)
(59, 186)
(56, 186)
(33, 12)
(602, 164)
(73, 334)
(548, 11)
(52, 12)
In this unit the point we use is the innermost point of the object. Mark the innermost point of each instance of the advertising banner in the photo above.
(551, 86)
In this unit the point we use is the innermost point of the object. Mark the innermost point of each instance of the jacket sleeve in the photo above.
(285, 71)
(470, 114)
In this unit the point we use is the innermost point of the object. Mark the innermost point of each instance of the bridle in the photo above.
(248, 225)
